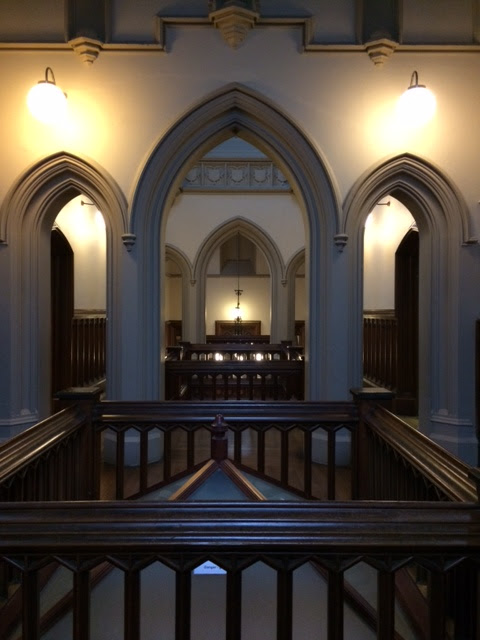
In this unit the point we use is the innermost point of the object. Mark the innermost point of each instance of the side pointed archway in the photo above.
(237, 110)
(442, 221)
(187, 303)
(26, 220)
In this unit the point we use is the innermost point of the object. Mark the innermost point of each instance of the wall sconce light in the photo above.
(417, 104)
(46, 101)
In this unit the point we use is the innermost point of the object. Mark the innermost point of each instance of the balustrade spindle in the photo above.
(284, 604)
(234, 605)
(335, 605)
(183, 602)
(81, 604)
(132, 605)
(386, 605)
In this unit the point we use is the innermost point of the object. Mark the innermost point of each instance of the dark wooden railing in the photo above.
(398, 462)
(88, 348)
(50, 461)
(234, 380)
(222, 351)
(438, 539)
(317, 450)
(234, 372)
(238, 339)
(275, 440)
(380, 349)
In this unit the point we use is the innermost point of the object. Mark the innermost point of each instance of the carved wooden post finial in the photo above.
(219, 442)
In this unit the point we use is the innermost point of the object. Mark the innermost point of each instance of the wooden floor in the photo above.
(249, 453)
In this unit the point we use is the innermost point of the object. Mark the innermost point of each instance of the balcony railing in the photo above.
(428, 542)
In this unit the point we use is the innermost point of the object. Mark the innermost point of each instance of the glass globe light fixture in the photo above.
(46, 101)
(417, 104)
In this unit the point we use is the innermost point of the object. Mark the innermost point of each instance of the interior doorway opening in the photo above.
(78, 295)
(390, 315)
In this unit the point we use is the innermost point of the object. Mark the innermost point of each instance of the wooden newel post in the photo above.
(219, 442)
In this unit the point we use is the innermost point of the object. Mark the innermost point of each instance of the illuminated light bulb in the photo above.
(417, 105)
(237, 313)
(46, 101)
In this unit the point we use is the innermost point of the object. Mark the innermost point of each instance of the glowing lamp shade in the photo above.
(418, 104)
(236, 313)
(46, 101)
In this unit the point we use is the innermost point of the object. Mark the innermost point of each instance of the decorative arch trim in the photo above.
(250, 230)
(233, 110)
(26, 216)
(295, 261)
(262, 240)
(54, 178)
(443, 224)
(178, 256)
(236, 110)
(410, 176)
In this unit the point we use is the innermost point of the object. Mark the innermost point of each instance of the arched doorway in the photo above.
(238, 292)
(442, 221)
(261, 242)
(240, 111)
(390, 305)
(406, 312)
(61, 275)
(27, 215)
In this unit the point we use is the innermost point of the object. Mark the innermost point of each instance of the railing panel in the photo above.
(88, 348)
(38, 463)
(317, 452)
(380, 349)
(281, 535)
(398, 462)
(234, 380)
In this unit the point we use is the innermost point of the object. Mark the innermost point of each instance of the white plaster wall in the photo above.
(194, 217)
(254, 301)
(385, 228)
(84, 228)
(300, 299)
(123, 104)
(173, 298)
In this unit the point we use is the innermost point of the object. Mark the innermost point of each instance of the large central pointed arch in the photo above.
(240, 111)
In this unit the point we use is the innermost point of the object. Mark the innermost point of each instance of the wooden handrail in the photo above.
(364, 528)
(436, 536)
(26, 447)
(283, 350)
(443, 469)
(234, 380)
(282, 411)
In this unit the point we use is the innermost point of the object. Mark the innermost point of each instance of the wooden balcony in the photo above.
(395, 504)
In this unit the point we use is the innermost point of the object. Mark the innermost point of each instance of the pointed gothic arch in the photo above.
(269, 249)
(235, 110)
(26, 218)
(292, 267)
(443, 223)
(185, 267)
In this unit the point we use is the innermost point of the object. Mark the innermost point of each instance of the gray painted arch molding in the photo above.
(411, 176)
(27, 216)
(444, 227)
(238, 110)
(56, 177)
